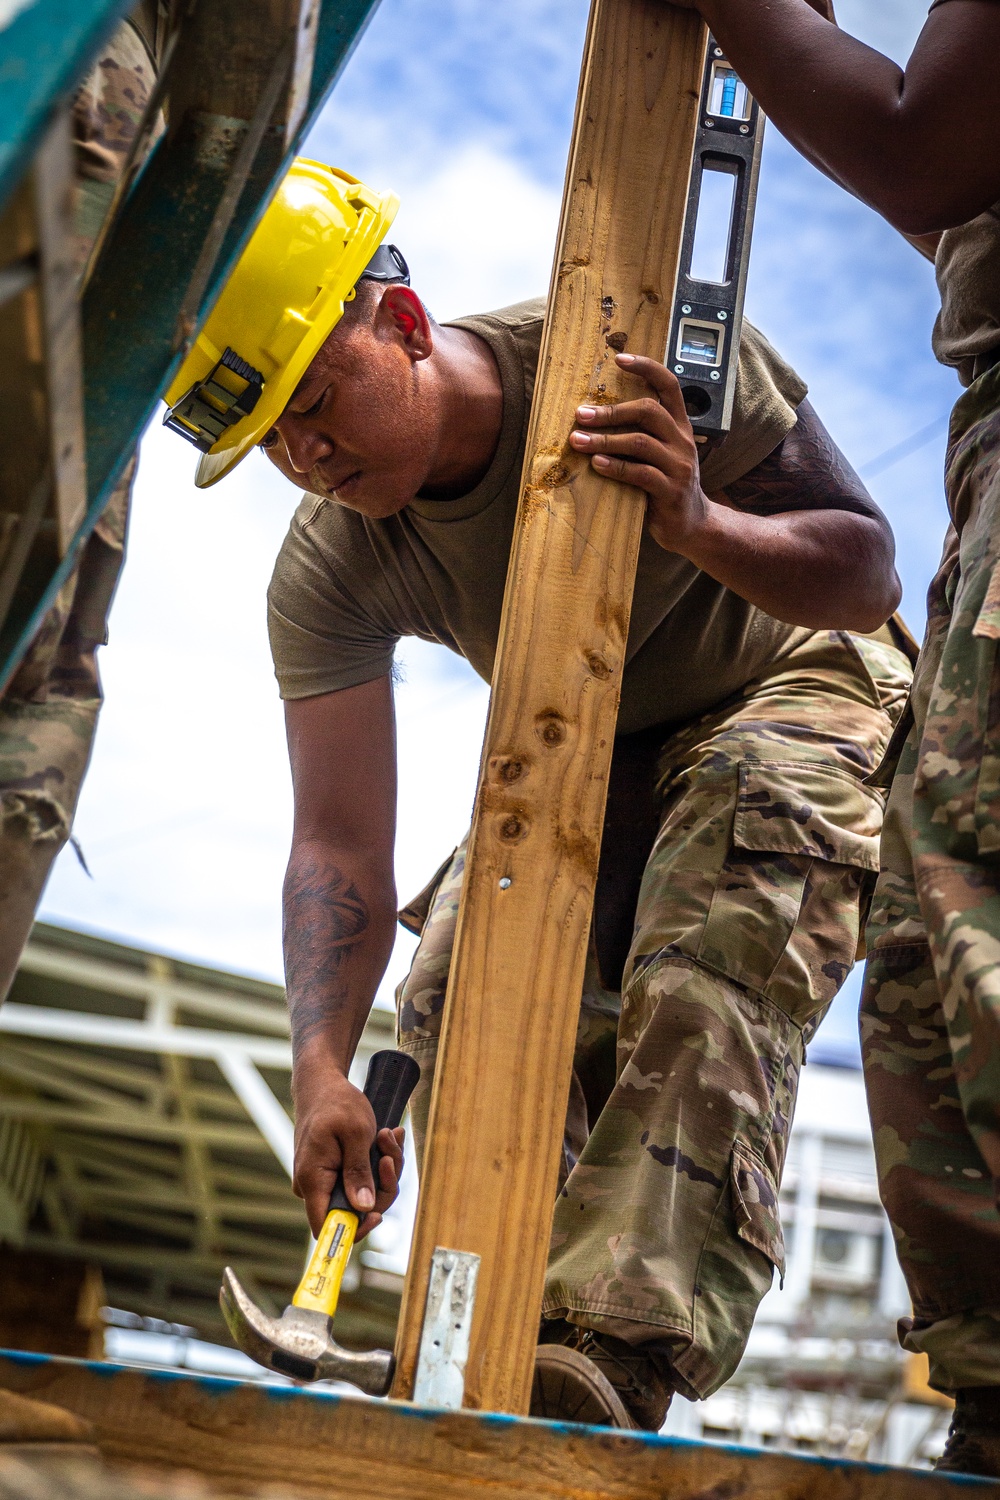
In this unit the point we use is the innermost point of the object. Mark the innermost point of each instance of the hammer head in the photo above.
(299, 1343)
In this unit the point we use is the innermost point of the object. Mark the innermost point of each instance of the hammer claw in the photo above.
(299, 1344)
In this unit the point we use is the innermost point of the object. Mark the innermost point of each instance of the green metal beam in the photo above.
(131, 307)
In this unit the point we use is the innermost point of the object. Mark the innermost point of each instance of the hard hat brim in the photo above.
(215, 466)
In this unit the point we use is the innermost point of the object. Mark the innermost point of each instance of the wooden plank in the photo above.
(319, 1444)
(74, 1471)
(60, 308)
(42, 475)
(503, 1073)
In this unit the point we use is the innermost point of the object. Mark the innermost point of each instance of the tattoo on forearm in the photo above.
(806, 471)
(326, 918)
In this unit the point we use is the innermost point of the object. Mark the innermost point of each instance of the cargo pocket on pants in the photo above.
(785, 915)
(755, 1205)
(736, 1269)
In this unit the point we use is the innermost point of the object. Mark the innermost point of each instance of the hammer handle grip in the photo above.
(392, 1077)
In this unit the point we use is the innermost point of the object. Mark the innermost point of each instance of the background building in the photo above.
(146, 1143)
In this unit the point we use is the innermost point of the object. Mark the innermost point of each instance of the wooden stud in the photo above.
(51, 1303)
(53, 185)
(42, 471)
(503, 1074)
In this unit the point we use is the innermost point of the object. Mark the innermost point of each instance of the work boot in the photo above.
(973, 1445)
(582, 1376)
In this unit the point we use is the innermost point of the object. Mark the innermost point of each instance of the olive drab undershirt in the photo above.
(967, 266)
(345, 588)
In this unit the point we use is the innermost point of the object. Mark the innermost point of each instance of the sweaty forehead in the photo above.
(318, 370)
(313, 373)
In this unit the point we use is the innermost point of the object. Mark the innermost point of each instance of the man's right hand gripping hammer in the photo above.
(299, 1343)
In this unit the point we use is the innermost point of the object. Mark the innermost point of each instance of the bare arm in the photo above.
(340, 914)
(920, 144)
(799, 536)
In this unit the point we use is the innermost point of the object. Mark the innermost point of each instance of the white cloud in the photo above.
(185, 817)
(478, 234)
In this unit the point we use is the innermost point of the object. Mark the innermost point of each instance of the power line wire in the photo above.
(898, 451)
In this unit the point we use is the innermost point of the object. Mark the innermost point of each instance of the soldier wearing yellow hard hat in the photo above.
(322, 233)
(745, 704)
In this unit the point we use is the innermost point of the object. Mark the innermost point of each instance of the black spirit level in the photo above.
(715, 251)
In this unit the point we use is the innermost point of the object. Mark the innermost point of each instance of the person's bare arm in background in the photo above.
(918, 144)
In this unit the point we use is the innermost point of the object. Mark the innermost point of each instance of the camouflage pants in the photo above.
(931, 1006)
(666, 1228)
(48, 715)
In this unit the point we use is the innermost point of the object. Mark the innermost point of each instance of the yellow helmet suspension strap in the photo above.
(227, 394)
(233, 387)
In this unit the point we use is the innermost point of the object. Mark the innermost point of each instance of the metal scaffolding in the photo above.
(145, 1127)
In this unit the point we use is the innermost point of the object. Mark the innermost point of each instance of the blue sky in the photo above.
(465, 109)
(842, 296)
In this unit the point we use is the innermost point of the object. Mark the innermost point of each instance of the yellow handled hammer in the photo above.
(299, 1343)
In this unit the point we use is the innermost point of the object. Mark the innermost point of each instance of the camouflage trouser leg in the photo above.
(47, 721)
(931, 1008)
(48, 716)
(666, 1230)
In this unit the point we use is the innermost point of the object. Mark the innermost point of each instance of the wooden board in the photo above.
(503, 1074)
(246, 1438)
(42, 473)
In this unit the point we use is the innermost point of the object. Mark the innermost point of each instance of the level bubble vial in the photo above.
(728, 96)
(700, 343)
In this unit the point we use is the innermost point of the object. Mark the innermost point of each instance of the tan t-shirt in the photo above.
(967, 266)
(345, 588)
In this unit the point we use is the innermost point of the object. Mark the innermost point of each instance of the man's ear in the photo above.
(402, 313)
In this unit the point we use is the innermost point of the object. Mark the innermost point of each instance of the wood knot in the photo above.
(550, 729)
(509, 770)
(512, 828)
(652, 298)
(555, 477)
(617, 341)
(597, 665)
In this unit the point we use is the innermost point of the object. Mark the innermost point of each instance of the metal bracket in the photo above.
(444, 1343)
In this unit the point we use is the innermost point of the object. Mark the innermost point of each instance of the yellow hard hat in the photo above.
(319, 235)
